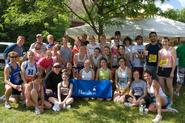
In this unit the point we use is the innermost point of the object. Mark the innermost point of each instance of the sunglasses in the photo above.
(57, 67)
(13, 57)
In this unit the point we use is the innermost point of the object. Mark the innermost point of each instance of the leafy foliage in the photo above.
(178, 15)
(29, 17)
(97, 13)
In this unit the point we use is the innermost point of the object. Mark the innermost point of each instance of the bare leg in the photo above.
(53, 100)
(169, 82)
(162, 82)
(27, 95)
(160, 101)
(178, 87)
(8, 92)
(34, 97)
(69, 101)
(47, 105)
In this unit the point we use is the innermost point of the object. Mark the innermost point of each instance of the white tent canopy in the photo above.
(163, 27)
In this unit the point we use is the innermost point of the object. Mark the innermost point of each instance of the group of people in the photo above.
(140, 75)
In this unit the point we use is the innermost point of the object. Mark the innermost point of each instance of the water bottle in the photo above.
(141, 109)
(145, 111)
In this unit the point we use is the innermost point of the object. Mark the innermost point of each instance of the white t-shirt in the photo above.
(136, 62)
(43, 47)
(86, 75)
(91, 47)
(113, 43)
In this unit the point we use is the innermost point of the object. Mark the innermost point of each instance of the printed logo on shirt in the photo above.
(152, 58)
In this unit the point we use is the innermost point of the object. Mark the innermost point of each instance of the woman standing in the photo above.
(166, 66)
(95, 58)
(80, 58)
(108, 56)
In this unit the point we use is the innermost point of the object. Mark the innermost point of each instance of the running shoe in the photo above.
(37, 111)
(56, 107)
(157, 119)
(7, 105)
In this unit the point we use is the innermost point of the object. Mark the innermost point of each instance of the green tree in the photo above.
(178, 15)
(98, 13)
(29, 17)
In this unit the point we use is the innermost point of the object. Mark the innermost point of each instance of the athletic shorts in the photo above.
(52, 94)
(149, 100)
(63, 97)
(180, 75)
(164, 72)
(16, 92)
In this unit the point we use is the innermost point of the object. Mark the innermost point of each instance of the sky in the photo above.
(171, 4)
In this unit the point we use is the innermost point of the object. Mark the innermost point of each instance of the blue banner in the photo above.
(92, 88)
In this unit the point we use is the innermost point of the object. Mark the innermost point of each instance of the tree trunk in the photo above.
(100, 32)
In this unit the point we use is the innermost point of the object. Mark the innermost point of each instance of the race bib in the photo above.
(152, 58)
(164, 62)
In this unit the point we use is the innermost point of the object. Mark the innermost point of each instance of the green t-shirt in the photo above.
(181, 55)
(104, 74)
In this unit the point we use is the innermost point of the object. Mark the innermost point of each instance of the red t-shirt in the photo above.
(45, 63)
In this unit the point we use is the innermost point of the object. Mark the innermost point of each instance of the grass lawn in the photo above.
(89, 112)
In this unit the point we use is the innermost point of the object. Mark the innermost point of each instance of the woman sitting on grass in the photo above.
(137, 90)
(36, 89)
(123, 76)
(65, 90)
(157, 98)
(103, 73)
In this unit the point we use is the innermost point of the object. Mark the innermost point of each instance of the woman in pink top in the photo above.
(76, 46)
(45, 63)
(80, 58)
(56, 54)
(166, 66)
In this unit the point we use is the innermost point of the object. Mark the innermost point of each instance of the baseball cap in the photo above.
(39, 35)
(56, 64)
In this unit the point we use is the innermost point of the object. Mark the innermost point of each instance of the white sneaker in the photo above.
(37, 111)
(126, 104)
(170, 109)
(68, 106)
(56, 107)
(157, 119)
(176, 93)
(7, 105)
